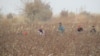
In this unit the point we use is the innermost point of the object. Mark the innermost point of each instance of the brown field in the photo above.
(70, 43)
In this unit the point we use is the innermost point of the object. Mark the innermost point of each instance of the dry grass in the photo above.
(70, 43)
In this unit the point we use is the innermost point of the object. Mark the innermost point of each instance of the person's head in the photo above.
(60, 23)
(25, 33)
(93, 26)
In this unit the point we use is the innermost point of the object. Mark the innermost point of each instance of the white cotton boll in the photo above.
(50, 54)
(90, 55)
(31, 55)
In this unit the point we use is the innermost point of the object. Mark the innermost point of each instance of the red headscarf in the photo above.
(24, 33)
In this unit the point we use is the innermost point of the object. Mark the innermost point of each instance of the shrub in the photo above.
(64, 13)
(37, 10)
(1, 15)
(10, 16)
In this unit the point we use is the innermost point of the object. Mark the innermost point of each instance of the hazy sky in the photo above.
(57, 5)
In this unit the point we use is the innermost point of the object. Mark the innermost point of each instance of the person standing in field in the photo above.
(80, 29)
(61, 28)
(93, 29)
(41, 31)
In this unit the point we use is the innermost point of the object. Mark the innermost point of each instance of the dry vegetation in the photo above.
(71, 43)
(37, 10)
(13, 41)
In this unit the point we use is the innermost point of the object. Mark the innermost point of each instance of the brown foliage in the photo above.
(64, 13)
(37, 10)
(10, 16)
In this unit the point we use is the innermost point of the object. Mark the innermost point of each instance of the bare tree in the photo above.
(37, 10)
(10, 16)
(64, 13)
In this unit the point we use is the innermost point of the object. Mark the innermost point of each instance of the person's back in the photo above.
(93, 29)
(61, 28)
(80, 29)
(41, 31)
